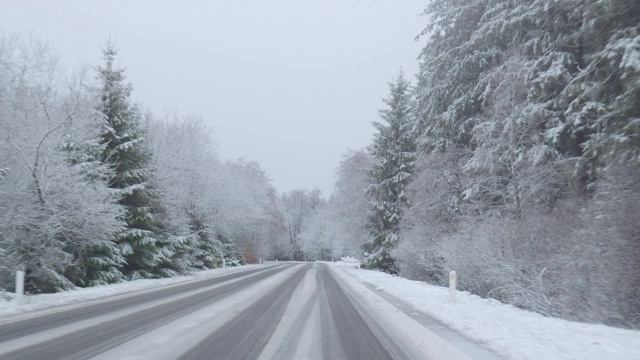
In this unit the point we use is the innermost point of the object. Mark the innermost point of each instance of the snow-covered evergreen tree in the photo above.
(393, 150)
(230, 253)
(448, 92)
(604, 113)
(350, 203)
(123, 138)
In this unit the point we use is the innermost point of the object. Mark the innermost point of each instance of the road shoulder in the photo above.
(411, 336)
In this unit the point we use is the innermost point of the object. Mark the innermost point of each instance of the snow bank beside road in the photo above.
(44, 301)
(510, 332)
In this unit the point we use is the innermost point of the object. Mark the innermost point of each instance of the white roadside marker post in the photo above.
(260, 261)
(19, 286)
(358, 265)
(224, 263)
(453, 282)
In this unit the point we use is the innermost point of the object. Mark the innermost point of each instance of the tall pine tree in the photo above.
(393, 150)
(125, 150)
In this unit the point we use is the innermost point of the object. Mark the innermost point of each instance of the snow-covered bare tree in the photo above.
(249, 210)
(186, 163)
(298, 207)
(350, 202)
(339, 227)
(319, 235)
(437, 203)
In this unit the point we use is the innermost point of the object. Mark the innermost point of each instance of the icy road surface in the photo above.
(288, 311)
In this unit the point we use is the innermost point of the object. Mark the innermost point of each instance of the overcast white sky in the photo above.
(290, 84)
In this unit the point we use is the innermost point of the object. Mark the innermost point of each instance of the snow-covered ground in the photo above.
(43, 301)
(510, 332)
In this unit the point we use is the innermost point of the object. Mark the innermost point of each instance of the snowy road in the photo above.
(289, 311)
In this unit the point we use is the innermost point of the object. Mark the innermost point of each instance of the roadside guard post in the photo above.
(224, 263)
(19, 286)
(453, 282)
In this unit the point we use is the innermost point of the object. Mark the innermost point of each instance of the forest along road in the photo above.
(288, 311)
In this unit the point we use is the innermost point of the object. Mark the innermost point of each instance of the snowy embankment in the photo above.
(510, 332)
(44, 301)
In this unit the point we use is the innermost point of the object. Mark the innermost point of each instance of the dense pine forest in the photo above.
(511, 157)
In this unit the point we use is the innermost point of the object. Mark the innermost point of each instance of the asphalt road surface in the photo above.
(287, 311)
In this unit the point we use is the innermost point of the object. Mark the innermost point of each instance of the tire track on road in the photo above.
(245, 336)
(356, 338)
(96, 339)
